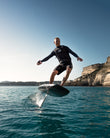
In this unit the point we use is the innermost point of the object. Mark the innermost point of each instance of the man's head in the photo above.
(57, 41)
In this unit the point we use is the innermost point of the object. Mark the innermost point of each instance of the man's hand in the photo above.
(39, 62)
(79, 59)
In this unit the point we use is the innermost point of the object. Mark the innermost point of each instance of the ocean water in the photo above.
(83, 113)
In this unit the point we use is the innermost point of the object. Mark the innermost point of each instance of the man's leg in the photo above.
(68, 71)
(53, 76)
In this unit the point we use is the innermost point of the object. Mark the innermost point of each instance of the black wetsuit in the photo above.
(62, 54)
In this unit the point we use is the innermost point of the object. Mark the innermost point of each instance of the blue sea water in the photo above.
(83, 113)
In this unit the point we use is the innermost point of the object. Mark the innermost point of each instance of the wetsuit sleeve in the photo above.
(73, 53)
(48, 57)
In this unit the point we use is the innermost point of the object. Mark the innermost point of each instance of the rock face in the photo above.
(91, 68)
(94, 75)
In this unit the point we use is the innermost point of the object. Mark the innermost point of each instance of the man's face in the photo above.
(57, 41)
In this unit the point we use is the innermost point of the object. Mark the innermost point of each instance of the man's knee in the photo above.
(55, 72)
(68, 70)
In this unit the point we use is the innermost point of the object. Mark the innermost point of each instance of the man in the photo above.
(62, 54)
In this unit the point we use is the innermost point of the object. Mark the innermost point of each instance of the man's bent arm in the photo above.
(73, 53)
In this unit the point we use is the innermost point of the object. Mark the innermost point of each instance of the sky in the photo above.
(28, 29)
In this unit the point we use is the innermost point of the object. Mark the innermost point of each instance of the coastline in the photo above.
(27, 83)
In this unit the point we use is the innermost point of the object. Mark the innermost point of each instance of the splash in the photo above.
(38, 98)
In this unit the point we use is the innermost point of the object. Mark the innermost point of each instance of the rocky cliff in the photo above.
(94, 75)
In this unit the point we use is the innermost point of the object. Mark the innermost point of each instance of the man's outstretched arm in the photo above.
(46, 58)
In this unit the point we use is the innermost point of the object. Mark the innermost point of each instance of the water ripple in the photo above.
(85, 112)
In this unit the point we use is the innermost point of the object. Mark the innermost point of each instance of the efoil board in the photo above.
(53, 90)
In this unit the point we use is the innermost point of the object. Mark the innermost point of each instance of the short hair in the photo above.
(56, 38)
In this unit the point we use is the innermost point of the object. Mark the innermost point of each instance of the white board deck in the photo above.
(53, 90)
